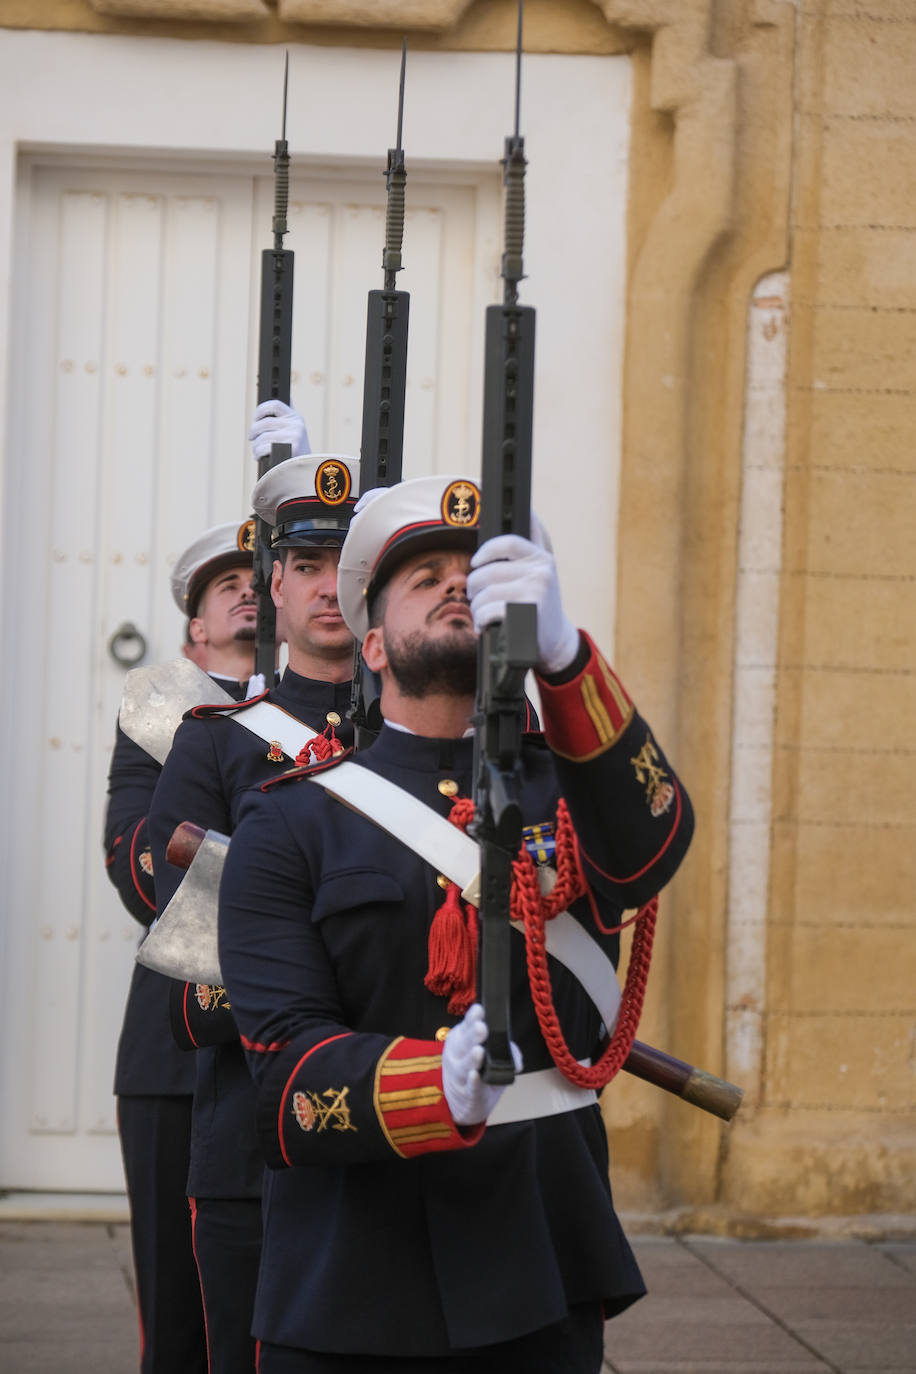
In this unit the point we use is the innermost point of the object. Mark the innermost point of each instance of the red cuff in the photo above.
(586, 716)
(410, 1101)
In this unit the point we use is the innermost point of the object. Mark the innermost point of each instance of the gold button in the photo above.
(448, 787)
(443, 881)
(442, 1032)
(332, 718)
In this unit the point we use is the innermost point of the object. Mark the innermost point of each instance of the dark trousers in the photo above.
(155, 1141)
(227, 1247)
(573, 1346)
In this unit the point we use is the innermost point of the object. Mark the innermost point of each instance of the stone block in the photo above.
(868, 173)
(754, 706)
(866, 268)
(864, 709)
(854, 45)
(800, 1264)
(400, 14)
(854, 1062)
(688, 1333)
(853, 1346)
(749, 861)
(867, 622)
(795, 1304)
(851, 785)
(756, 617)
(865, 350)
(868, 9)
(902, 1253)
(843, 970)
(858, 876)
(213, 11)
(818, 1163)
(670, 1270)
(854, 431)
(751, 772)
(760, 534)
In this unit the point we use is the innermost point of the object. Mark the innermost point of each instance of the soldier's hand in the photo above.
(469, 1099)
(274, 422)
(509, 568)
(367, 498)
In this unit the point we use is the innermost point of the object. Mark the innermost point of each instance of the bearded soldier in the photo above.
(417, 1218)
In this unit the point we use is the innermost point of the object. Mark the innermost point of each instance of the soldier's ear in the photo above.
(276, 583)
(196, 630)
(374, 655)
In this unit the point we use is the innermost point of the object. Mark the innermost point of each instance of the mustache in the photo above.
(461, 601)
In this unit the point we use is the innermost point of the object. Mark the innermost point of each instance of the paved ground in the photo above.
(740, 1307)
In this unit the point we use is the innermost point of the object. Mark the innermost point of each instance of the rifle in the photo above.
(508, 648)
(385, 381)
(274, 363)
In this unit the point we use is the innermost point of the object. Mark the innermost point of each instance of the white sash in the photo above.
(449, 850)
(271, 723)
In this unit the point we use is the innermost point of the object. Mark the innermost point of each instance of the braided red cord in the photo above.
(320, 747)
(535, 909)
(597, 1075)
(462, 812)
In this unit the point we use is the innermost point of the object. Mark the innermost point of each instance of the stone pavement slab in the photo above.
(767, 1307)
(66, 1299)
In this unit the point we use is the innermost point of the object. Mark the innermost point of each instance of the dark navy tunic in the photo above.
(213, 761)
(148, 1063)
(148, 1060)
(387, 1229)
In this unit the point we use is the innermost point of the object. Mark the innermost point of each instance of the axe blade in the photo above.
(156, 697)
(183, 942)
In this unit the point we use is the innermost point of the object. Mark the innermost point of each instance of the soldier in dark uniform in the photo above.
(153, 1080)
(414, 1218)
(216, 755)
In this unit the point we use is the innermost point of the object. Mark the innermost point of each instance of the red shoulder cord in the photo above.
(319, 748)
(534, 908)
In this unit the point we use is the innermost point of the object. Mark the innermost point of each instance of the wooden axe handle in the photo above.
(184, 844)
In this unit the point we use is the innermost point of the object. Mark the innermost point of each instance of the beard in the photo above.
(245, 634)
(421, 666)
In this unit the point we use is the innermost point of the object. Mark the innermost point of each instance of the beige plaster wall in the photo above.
(769, 137)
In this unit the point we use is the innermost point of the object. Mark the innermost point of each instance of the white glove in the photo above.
(509, 568)
(256, 685)
(367, 498)
(274, 422)
(469, 1099)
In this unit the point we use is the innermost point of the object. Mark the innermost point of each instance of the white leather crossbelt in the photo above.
(542, 1093)
(450, 851)
(271, 723)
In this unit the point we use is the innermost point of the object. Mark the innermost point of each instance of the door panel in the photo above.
(139, 309)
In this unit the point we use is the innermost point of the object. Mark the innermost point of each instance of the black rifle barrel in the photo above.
(384, 389)
(275, 343)
(508, 648)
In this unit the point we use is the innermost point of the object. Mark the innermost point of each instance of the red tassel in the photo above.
(450, 954)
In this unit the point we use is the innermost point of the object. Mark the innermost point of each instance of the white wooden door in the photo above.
(136, 325)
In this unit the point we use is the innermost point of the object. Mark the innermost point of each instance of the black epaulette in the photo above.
(307, 770)
(205, 712)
